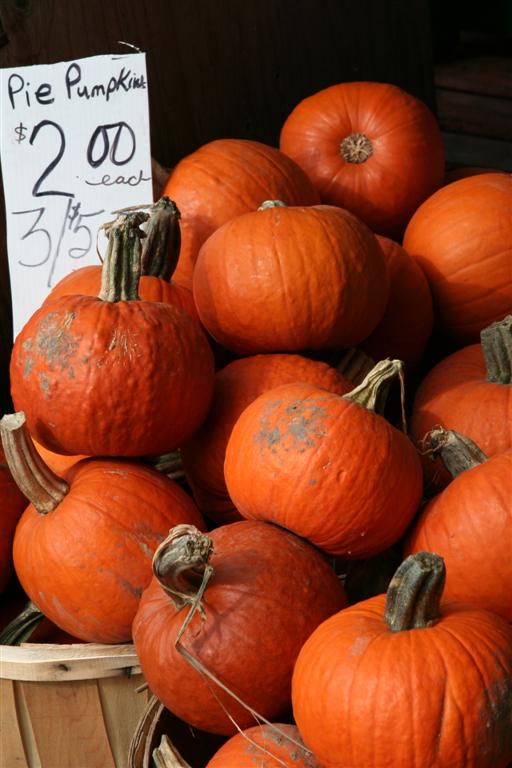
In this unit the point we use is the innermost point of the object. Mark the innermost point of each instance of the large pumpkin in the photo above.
(223, 179)
(325, 466)
(159, 256)
(402, 681)
(470, 392)
(236, 386)
(405, 327)
(462, 238)
(12, 504)
(470, 524)
(256, 593)
(83, 548)
(113, 375)
(285, 279)
(369, 147)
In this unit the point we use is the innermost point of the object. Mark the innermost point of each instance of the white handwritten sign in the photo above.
(74, 146)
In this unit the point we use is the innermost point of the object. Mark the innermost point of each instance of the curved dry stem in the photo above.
(414, 593)
(496, 342)
(161, 246)
(121, 267)
(458, 452)
(373, 391)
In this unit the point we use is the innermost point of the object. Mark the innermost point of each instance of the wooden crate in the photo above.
(68, 706)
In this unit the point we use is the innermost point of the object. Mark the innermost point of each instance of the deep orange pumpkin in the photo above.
(237, 385)
(406, 326)
(112, 376)
(369, 147)
(397, 682)
(223, 179)
(267, 592)
(12, 504)
(325, 467)
(160, 252)
(264, 746)
(462, 238)
(83, 548)
(285, 279)
(470, 391)
(470, 525)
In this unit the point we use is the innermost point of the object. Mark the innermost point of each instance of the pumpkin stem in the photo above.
(272, 204)
(161, 246)
(356, 148)
(414, 593)
(20, 628)
(42, 487)
(496, 342)
(167, 756)
(457, 452)
(373, 391)
(121, 267)
(180, 564)
(355, 364)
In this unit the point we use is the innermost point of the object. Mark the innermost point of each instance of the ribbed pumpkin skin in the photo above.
(290, 279)
(86, 563)
(12, 504)
(114, 379)
(366, 697)
(405, 328)
(470, 525)
(86, 281)
(236, 386)
(456, 395)
(268, 592)
(330, 470)
(462, 238)
(223, 179)
(407, 163)
(241, 751)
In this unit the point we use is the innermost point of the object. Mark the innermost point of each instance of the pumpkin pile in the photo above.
(285, 393)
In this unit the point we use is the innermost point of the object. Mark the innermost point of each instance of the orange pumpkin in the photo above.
(237, 385)
(223, 179)
(462, 238)
(369, 147)
(285, 279)
(265, 746)
(402, 680)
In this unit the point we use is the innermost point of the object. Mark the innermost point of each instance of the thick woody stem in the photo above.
(181, 562)
(414, 593)
(496, 342)
(458, 452)
(373, 391)
(161, 246)
(42, 487)
(122, 264)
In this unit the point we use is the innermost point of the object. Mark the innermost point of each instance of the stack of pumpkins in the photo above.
(262, 270)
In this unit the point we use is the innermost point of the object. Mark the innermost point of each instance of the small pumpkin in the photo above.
(371, 148)
(403, 679)
(225, 178)
(406, 326)
(329, 468)
(472, 516)
(112, 375)
(220, 626)
(461, 236)
(83, 547)
(236, 386)
(271, 745)
(159, 256)
(290, 278)
(469, 392)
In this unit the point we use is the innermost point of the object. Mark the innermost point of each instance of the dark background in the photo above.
(236, 68)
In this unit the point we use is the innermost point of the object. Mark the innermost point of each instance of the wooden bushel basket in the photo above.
(68, 706)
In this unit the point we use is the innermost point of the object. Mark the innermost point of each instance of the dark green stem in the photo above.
(414, 593)
(121, 267)
(19, 629)
(33, 477)
(458, 452)
(161, 246)
(496, 342)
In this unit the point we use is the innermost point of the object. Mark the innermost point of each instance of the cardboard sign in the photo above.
(74, 146)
